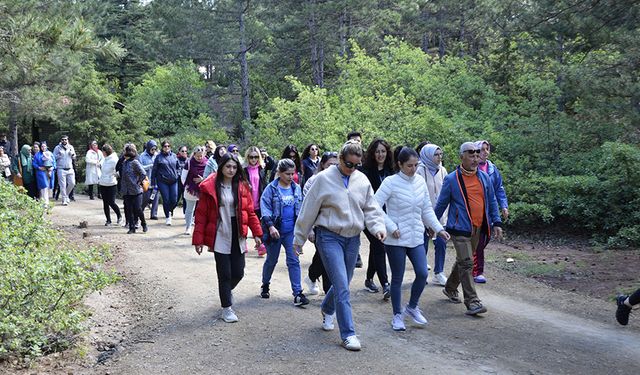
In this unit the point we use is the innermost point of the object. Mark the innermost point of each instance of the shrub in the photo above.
(43, 279)
(521, 213)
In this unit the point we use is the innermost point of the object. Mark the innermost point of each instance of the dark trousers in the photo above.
(134, 204)
(181, 197)
(478, 256)
(32, 189)
(377, 259)
(316, 269)
(230, 268)
(634, 299)
(109, 201)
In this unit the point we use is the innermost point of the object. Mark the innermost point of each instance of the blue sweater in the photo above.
(165, 169)
(454, 196)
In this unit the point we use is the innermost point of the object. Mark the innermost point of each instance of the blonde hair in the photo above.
(351, 147)
(257, 151)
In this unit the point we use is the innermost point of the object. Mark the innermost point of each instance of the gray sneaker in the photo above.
(475, 308)
(452, 295)
(228, 315)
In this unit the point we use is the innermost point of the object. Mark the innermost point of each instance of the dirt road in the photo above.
(164, 318)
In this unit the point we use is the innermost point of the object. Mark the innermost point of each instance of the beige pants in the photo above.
(462, 271)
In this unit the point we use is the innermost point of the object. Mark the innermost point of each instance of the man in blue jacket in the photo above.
(473, 211)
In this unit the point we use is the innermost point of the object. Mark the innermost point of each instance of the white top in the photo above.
(224, 233)
(408, 209)
(109, 174)
(94, 162)
(434, 186)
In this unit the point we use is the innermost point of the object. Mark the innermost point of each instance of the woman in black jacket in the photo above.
(378, 165)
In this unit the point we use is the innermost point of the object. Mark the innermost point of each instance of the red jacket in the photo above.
(206, 216)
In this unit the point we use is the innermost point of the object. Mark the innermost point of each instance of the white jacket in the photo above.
(434, 186)
(94, 163)
(108, 176)
(408, 209)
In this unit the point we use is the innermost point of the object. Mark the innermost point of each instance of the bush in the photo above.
(534, 214)
(44, 279)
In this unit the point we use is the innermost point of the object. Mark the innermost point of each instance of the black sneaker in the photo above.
(386, 291)
(359, 262)
(153, 218)
(371, 286)
(145, 228)
(623, 311)
(131, 231)
(265, 291)
(300, 300)
(452, 295)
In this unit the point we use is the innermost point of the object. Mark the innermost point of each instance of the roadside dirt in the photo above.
(163, 318)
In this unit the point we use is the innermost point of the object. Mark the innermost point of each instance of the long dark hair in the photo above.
(402, 155)
(370, 162)
(286, 155)
(216, 154)
(307, 150)
(237, 179)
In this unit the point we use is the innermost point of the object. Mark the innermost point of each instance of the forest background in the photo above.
(553, 84)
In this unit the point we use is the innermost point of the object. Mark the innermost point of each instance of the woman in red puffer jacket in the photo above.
(223, 218)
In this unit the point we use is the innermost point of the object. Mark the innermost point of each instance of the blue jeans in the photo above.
(293, 263)
(441, 251)
(397, 260)
(169, 194)
(339, 255)
(190, 207)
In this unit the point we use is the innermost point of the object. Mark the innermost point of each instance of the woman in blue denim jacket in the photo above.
(280, 205)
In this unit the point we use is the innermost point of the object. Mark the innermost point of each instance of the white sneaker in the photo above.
(120, 222)
(416, 315)
(312, 286)
(352, 343)
(228, 315)
(188, 231)
(327, 321)
(428, 267)
(398, 322)
(440, 279)
(168, 221)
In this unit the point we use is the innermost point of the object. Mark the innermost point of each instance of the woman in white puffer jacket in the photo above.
(409, 212)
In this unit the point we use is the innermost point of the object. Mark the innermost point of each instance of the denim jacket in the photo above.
(271, 204)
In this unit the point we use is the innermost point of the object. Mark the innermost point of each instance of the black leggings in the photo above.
(134, 210)
(316, 269)
(377, 259)
(634, 299)
(109, 200)
(230, 267)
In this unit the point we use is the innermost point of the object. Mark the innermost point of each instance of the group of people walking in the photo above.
(401, 198)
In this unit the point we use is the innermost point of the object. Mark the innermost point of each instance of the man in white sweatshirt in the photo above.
(338, 205)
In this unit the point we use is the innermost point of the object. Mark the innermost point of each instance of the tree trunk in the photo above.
(560, 75)
(343, 32)
(244, 68)
(317, 50)
(13, 126)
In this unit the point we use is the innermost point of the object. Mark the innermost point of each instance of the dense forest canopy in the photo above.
(553, 84)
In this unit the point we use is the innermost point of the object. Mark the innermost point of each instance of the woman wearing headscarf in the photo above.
(44, 163)
(192, 176)
(94, 159)
(23, 170)
(430, 168)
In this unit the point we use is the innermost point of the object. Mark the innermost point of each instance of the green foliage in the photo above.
(43, 279)
(168, 100)
(204, 129)
(521, 213)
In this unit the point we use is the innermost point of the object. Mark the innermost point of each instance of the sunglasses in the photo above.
(166, 146)
(351, 165)
(332, 154)
(313, 149)
(183, 150)
(252, 157)
(235, 150)
(472, 151)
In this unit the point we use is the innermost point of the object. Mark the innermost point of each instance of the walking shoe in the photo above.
(153, 218)
(397, 323)
(107, 224)
(327, 321)
(359, 261)
(371, 286)
(623, 311)
(168, 220)
(262, 250)
(228, 315)
(386, 291)
(145, 228)
(265, 291)
(475, 308)
(416, 315)
(480, 279)
(188, 231)
(312, 286)
(352, 343)
(131, 231)
(428, 267)
(440, 279)
(452, 295)
(120, 221)
(300, 300)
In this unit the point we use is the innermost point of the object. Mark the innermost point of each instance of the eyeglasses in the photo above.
(351, 165)
(183, 151)
(332, 154)
(313, 149)
(252, 157)
(472, 151)
(235, 151)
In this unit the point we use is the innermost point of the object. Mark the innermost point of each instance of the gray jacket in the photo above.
(132, 175)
